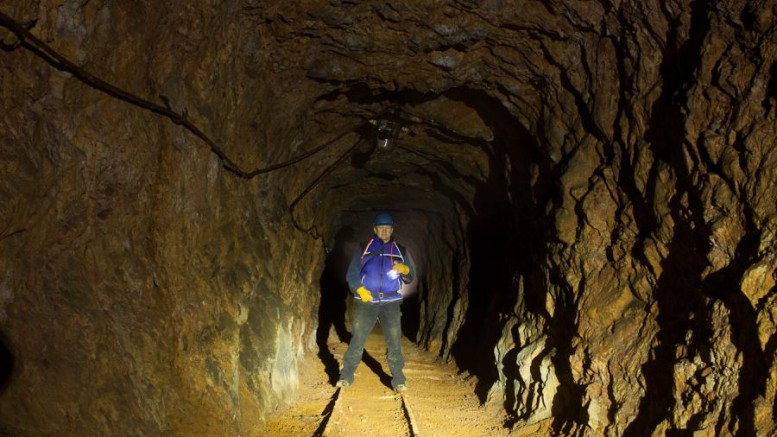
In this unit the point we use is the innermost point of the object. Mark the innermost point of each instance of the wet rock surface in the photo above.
(587, 189)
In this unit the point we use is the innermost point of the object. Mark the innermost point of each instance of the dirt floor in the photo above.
(439, 402)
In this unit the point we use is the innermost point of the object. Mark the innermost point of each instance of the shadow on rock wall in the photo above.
(502, 238)
(332, 310)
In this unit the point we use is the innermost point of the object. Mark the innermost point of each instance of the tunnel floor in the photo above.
(440, 401)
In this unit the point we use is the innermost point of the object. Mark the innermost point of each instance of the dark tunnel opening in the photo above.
(7, 364)
(505, 238)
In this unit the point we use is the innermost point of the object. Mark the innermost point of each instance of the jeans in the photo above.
(364, 317)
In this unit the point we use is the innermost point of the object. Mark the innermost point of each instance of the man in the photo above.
(375, 276)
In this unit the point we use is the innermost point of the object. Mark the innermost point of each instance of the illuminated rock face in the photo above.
(587, 187)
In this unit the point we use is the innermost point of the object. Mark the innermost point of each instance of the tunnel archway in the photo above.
(495, 239)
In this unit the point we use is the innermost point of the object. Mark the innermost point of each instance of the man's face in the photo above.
(384, 232)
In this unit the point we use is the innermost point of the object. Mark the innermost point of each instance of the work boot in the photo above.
(342, 383)
(400, 388)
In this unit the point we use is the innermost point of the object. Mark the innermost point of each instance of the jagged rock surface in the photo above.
(588, 188)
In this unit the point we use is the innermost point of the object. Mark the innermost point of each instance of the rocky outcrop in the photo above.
(587, 188)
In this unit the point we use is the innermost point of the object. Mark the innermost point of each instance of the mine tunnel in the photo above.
(587, 189)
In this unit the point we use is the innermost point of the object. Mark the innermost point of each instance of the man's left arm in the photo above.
(408, 278)
(406, 268)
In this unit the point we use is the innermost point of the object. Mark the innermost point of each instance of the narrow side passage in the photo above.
(6, 364)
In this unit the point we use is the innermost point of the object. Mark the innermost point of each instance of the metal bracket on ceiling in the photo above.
(387, 130)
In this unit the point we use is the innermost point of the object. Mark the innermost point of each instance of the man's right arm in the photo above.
(354, 269)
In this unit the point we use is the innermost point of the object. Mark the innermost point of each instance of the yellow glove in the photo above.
(402, 269)
(364, 294)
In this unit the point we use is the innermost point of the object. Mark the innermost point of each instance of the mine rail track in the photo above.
(340, 406)
(441, 402)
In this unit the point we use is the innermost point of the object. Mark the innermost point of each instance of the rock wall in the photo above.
(588, 188)
(659, 273)
(146, 290)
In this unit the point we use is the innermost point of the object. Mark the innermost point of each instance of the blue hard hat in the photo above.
(383, 219)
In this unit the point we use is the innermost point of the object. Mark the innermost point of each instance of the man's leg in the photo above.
(391, 322)
(364, 317)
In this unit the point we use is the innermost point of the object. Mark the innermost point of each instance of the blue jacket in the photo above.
(373, 268)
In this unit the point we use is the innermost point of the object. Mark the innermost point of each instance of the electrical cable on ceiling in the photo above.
(51, 56)
(30, 42)
(327, 171)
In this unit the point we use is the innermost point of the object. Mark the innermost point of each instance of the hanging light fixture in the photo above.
(386, 133)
